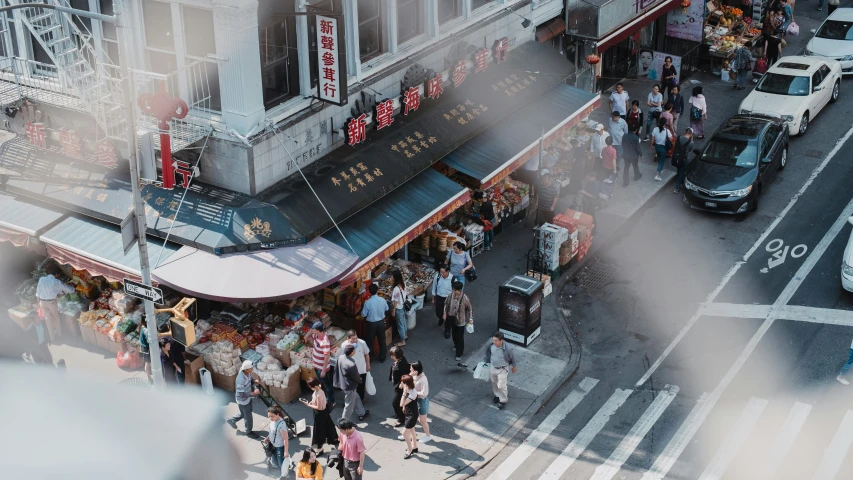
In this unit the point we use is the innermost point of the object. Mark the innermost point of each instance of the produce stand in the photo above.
(725, 30)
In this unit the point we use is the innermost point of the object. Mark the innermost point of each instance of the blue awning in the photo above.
(95, 246)
(498, 149)
(383, 228)
(26, 217)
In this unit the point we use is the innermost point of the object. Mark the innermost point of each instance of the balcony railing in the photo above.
(39, 82)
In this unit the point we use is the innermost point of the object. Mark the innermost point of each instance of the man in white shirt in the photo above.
(442, 287)
(620, 101)
(47, 291)
(596, 141)
(361, 358)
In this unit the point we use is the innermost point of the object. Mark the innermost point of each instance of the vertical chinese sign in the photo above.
(331, 64)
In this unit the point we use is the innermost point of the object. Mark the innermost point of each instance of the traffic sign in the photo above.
(142, 291)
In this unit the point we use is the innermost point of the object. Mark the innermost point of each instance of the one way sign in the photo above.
(142, 291)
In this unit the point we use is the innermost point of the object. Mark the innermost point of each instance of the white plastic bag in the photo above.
(369, 386)
(469, 328)
(482, 371)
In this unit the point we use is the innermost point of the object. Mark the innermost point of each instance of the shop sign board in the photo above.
(620, 12)
(331, 66)
(686, 25)
(143, 292)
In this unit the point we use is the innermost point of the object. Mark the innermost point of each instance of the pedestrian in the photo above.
(632, 152)
(677, 101)
(773, 48)
(596, 141)
(607, 165)
(348, 379)
(635, 117)
(658, 146)
(374, 311)
(352, 450)
(399, 368)
(422, 387)
(742, 62)
(680, 157)
(698, 112)
(655, 104)
(669, 75)
(243, 392)
(409, 404)
(144, 346)
(588, 199)
(619, 100)
(361, 358)
(845, 368)
(170, 368)
(788, 14)
(321, 352)
(398, 300)
(309, 468)
(487, 214)
(176, 355)
(833, 4)
(458, 312)
(324, 428)
(49, 288)
(39, 350)
(618, 128)
(278, 439)
(442, 285)
(667, 115)
(500, 356)
(459, 262)
(549, 194)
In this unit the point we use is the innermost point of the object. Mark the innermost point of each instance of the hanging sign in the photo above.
(331, 87)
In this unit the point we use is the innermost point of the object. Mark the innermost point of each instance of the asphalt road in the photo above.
(711, 343)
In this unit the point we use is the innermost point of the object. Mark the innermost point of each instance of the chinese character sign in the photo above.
(411, 100)
(328, 61)
(70, 143)
(356, 130)
(481, 60)
(501, 49)
(384, 115)
(434, 88)
(460, 71)
(106, 154)
(36, 134)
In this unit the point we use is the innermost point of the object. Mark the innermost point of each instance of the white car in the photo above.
(796, 89)
(847, 263)
(834, 39)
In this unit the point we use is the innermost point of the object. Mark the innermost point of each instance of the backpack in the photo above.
(679, 156)
(695, 113)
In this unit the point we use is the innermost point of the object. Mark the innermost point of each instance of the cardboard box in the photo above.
(289, 393)
(389, 336)
(103, 341)
(114, 347)
(307, 374)
(70, 325)
(87, 334)
(283, 356)
(192, 364)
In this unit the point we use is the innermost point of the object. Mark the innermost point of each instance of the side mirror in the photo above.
(817, 88)
(814, 30)
(766, 160)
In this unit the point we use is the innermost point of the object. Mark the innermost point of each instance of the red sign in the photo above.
(356, 131)
(481, 60)
(185, 171)
(327, 56)
(384, 115)
(106, 154)
(36, 134)
(501, 49)
(411, 100)
(460, 71)
(70, 143)
(434, 88)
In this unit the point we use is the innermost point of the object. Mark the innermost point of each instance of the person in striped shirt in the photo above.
(321, 351)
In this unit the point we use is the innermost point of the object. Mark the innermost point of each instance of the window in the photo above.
(448, 10)
(198, 31)
(836, 30)
(199, 42)
(767, 144)
(369, 29)
(781, 84)
(825, 71)
(475, 4)
(8, 36)
(109, 37)
(279, 57)
(410, 19)
(817, 78)
(159, 40)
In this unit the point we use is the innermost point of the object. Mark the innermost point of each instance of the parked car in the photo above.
(834, 39)
(795, 88)
(736, 164)
(847, 263)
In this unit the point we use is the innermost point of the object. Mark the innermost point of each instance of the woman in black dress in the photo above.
(409, 404)
(324, 427)
(669, 76)
(398, 369)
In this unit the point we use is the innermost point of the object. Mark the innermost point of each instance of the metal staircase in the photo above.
(81, 62)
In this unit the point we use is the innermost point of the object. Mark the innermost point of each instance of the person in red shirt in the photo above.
(608, 161)
(320, 354)
(352, 450)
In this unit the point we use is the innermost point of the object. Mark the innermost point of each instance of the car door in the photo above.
(818, 92)
(828, 81)
(768, 163)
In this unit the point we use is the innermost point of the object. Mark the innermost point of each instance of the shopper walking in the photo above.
(618, 129)
(409, 404)
(399, 368)
(324, 427)
(667, 115)
(374, 311)
(361, 359)
(607, 164)
(788, 14)
(170, 367)
(458, 312)
(596, 141)
(352, 450)
(632, 153)
(278, 439)
(773, 48)
(619, 100)
(680, 157)
(145, 346)
(347, 379)
(487, 214)
(309, 468)
(500, 356)
(49, 288)
(549, 194)
(398, 299)
(742, 62)
(321, 351)
(459, 262)
(655, 104)
(677, 101)
(422, 387)
(39, 350)
(243, 392)
(846, 367)
(635, 117)
(442, 285)
(698, 112)
(658, 146)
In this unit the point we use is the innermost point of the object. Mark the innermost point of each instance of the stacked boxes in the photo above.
(551, 237)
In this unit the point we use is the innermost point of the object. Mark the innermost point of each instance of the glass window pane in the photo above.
(109, 29)
(158, 25)
(369, 36)
(276, 84)
(162, 63)
(273, 42)
(82, 23)
(410, 22)
(368, 10)
(206, 84)
(111, 49)
(448, 10)
(198, 31)
(475, 4)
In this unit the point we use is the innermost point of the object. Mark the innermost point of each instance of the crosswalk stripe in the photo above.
(663, 464)
(523, 452)
(610, 468)
(784, 440)
(576, 447)
(834, 454)
(726, 453)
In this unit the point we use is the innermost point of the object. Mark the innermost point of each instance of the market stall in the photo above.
(726, 29)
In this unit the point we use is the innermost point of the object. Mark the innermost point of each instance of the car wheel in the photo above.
(835, 88)
(804, 124)
(784, 160)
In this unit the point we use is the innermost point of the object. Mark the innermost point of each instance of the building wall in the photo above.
(227, 164)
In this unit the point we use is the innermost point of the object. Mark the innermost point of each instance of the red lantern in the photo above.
(592, 59)
(684, 5)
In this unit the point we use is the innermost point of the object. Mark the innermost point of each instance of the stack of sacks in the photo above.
(223, 358)
(288, 341)
(270, 371)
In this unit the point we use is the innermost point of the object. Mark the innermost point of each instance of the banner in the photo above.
(687, 25)
(650, 64)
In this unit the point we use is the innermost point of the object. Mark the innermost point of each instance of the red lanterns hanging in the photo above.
(685, 4)
(592, 59)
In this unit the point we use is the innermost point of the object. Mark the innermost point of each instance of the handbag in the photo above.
(695, 113)
(469, 328)
(471, 274)
(482, 371)
(369, 386)
(793, 29)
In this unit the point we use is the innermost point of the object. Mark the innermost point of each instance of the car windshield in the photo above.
(836, 30)
(730, 152)
(781, 84)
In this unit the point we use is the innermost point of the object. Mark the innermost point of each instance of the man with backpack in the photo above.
(683, 147)
(742, 63)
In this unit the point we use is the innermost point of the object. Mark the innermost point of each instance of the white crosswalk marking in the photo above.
(834, 454)
(585, 436)
(663, 464)
(610, 468)
(785, 440)
(523, 452)
(745, 423)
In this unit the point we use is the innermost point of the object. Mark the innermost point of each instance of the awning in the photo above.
(550, 30)
(94, 246)
(260, 276)
(377, 232)
(492, 155)
(20, 220)
(634, 25)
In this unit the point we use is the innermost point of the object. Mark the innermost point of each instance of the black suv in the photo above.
(738, 162)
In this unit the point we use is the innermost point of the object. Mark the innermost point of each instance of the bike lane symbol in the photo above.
(779, 253)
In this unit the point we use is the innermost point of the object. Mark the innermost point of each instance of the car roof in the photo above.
(842, 14)
(796, 65)
(744, 127)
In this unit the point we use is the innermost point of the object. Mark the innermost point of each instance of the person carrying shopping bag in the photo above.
(458, 311)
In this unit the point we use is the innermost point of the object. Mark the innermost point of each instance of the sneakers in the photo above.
(232, 423)
(362, 417)
(658, 177)
(496, 400)
(425, 439)
(487, 248)
(501, 405)
(676, 190)
(458, 359)
(253, 435)
(638, 176)
(842, 380)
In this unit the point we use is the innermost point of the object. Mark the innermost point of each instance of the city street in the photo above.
(711, 343)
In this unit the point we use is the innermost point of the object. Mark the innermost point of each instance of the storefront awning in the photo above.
(634, 25)
(94, 246)
(550, 30)
(377, 232)
(492, 155)
(260, 276)
(20, 220)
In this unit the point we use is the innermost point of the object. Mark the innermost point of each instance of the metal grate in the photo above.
(597, 276)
